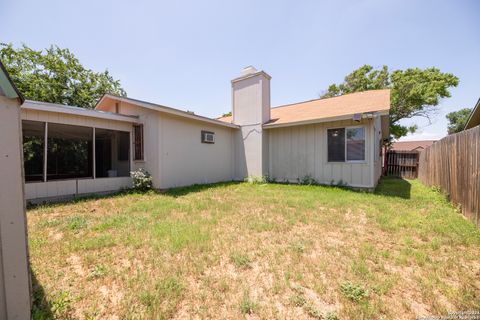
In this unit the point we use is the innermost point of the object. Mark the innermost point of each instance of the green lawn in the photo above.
(236, 250)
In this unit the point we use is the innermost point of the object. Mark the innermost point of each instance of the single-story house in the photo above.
(14, 270)
(70, 150)
(474, 118)
(411, 146)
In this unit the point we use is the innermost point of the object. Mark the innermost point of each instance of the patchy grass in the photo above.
(234, 250)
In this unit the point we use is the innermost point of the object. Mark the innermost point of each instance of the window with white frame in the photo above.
(346, 144)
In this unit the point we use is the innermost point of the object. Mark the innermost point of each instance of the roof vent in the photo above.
(248, 70)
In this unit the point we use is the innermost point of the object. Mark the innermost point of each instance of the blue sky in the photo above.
(184, 53)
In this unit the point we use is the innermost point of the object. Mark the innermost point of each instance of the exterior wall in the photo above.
(185, 160)
(72, 187)
(14, 274)
(174, 154)
(298, 151)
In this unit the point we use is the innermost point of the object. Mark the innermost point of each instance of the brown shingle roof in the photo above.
(349, 104)
(418, 145)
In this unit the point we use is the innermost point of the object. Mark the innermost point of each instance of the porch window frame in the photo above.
(94, 164)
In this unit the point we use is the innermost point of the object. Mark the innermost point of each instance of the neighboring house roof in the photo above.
(60, 108)
(7, 87)
(157, 107)
(411, 145)
(474, 118)
(328, 109)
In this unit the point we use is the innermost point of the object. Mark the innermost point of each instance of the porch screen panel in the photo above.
(33, 149)
(69, 152)
(112, 153)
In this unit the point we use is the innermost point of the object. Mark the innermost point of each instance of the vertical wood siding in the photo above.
(299, 151)
(453, 164)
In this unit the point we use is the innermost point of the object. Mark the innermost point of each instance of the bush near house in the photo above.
(142, 180)
(233, 250)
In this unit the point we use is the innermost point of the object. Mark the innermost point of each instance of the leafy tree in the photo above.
(414, 91)
(457, 120)
(56, 75)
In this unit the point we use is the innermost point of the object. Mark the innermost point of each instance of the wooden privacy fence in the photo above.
(402, 164)
(453, 164)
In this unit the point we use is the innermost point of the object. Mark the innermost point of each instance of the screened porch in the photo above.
(54, 151)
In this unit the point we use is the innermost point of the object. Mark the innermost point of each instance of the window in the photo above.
(336, 145)
(208, 137)
(69, 152)
(346, 144)
(138, 142)
(33, 149)
(355, 144)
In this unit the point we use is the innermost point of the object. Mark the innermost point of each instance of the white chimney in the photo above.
(251, 97)
(250, 110)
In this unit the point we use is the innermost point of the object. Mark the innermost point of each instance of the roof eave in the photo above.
(51, 107)
(321, 120)
(476, 109)
(165, 109)
(12, 84)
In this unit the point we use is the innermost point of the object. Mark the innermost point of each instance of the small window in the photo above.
(346, 144)
(208, 137)
(138, 142)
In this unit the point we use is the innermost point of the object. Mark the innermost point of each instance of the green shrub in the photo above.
(307, 180)
(240, 260)
(247, 305)
(142, 180)
(256, 179)
(353, 292)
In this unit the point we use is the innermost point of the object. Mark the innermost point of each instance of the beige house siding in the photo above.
(298, 151)
(174, 153)
(65, 188)
(14, 277)
(185, 160)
